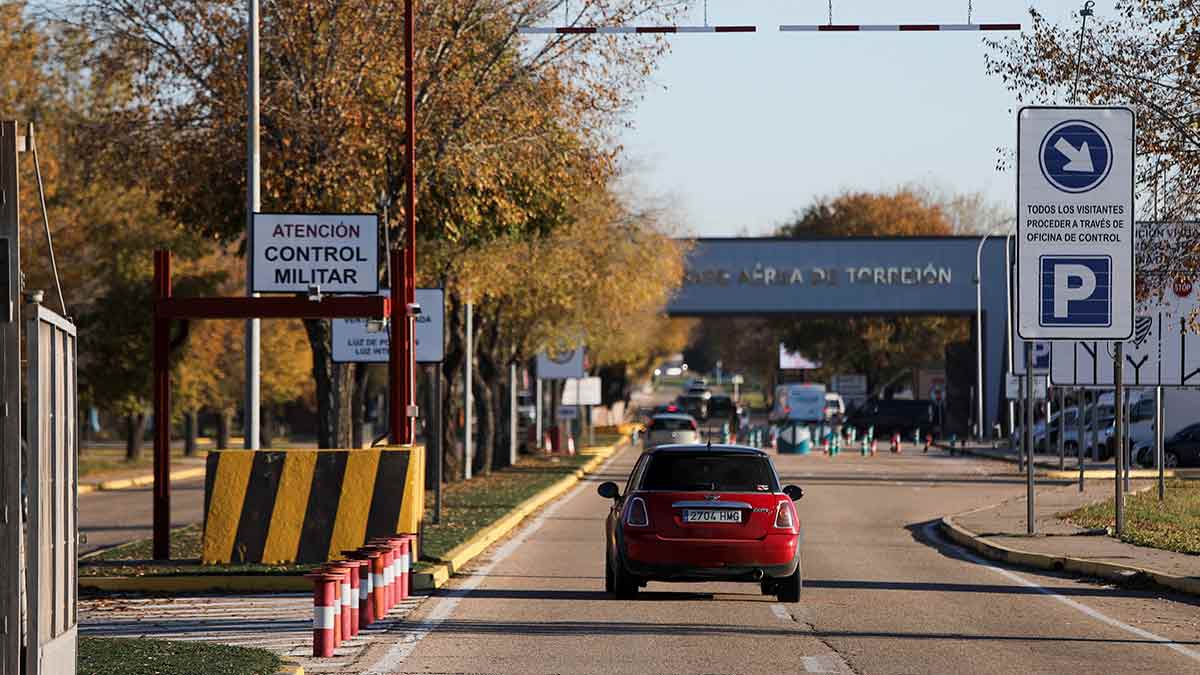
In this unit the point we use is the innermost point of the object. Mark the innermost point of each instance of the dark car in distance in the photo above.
(894, 415)
(703, 513)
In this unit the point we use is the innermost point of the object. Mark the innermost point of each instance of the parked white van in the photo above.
(799, 403)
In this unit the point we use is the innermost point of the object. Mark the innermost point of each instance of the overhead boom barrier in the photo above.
(902, 27)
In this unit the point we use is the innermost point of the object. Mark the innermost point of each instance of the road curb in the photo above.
(137, 481)
(1067, 474)
(1114, 572)
(198, 583)
(459, 556)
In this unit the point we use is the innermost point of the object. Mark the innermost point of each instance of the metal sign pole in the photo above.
(512, 413)
(1080, 436)
(1126, 448)
(254, 203)
(468, 399)
(1021, 423)
(1031, 525)
(1159, 438)
(436, 435)
(1062, 429)
(537, 412)
(1119, 434)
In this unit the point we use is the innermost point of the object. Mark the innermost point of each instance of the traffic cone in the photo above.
(874, 446)
(928, 442)
(896, 442)
(866, 446)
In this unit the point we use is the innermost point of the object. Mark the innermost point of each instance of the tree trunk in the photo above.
(224, 424)
(334, 383)
(135, 431)
(358, 407)
(191, 429)
(452, 391)
(487, 424)
(266, 427)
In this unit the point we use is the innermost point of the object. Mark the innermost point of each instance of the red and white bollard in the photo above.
(354, 566)
(378, 560)
(325, 602)
(896, 442)
(874, 446)
(365, 607)
(928, 442)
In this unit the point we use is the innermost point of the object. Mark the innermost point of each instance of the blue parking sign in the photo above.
(1076, 291)
(1076, 156)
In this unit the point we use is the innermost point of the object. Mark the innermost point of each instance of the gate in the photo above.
(52, 436)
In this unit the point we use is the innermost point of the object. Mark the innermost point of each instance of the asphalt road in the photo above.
(883, 594)
(118, 516)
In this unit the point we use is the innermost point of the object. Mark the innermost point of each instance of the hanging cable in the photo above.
(830, 12)
(705, 12)
(37, 167)
(970, 10)
(1084, 13)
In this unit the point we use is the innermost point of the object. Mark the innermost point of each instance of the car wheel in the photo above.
(625, 585)
(788, 588)
(610, 584)
(1170, 460)
(767, 586)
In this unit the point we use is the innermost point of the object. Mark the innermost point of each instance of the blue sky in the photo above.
(738, 131)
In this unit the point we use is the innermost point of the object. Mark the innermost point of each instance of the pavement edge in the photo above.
(1088, 568)
(137, 481)
(1048, 471)
(458, 557)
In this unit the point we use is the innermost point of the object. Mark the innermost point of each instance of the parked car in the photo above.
(703, 513)
(700, 390)
(894, 415)
(670, 429)
(1180, 449)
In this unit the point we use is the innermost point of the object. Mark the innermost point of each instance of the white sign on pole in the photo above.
(568, 413)
(1015, 387)
(1042, 354)
(338, 253)
(560, 364)
(355, 341)
(850, 385)
(583, 391)
(1163, 350)
(795, 360)
(1075, 234)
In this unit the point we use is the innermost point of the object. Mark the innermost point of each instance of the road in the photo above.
(117, 516)
(883, 594)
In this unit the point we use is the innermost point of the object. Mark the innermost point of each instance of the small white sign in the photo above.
(1015, 387)
(561, 364)
(795, 360)
(1041, 356)
(354, 341)
(337, 253)
(850, 385)
(568, 413)
(583, 391)
(1075, 233)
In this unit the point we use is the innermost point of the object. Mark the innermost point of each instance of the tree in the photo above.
(493, 116)
(1146, 53)
(881, 348)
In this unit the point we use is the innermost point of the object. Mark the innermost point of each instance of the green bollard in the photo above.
(866, 446)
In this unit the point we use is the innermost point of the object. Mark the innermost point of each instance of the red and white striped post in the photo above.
(355, 599)
(325, 602)
(366, 593)
(378, 561)
(388, 554)
(339, 575)
(631, 30)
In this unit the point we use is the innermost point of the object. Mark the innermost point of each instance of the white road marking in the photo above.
(931, 532)
(781, 612)
(448, 603)
(826, 663)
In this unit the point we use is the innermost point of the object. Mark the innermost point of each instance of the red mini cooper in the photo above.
(703, 513)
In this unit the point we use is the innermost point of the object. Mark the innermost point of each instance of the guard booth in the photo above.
(51, 525)
(39, 447)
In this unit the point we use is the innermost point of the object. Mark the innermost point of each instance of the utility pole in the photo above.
(253, 204)
(11, 549)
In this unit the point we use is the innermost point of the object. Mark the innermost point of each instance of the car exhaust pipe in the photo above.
(757, 575)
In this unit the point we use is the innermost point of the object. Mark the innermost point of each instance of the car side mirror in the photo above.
(609, 490)
(793, 492)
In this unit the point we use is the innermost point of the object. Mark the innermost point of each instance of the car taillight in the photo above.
(784, 520)
(636, 514)
(694, 427)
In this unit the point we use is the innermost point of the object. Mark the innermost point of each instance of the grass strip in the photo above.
(127, 656)
(135, 559)
(1171, 525)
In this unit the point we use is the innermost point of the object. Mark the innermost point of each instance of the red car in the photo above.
(703, 513)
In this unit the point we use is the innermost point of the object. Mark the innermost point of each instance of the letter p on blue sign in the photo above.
(1076, 291)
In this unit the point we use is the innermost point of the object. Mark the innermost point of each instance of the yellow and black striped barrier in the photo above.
(307, 506)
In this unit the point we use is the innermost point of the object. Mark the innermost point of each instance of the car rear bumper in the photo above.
(653, 558)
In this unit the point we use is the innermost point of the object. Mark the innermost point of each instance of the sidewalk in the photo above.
(999, 533)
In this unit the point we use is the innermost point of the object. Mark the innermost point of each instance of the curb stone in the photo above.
(137, 481)
(1114, 572)
(464, 553)
(1045, 471)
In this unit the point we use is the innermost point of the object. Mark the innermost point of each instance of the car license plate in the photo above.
(712, 516)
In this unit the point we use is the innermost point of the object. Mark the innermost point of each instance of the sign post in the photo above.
(1075, 238)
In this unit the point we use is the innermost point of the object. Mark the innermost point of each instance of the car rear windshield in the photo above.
(711, 471)
(672, 424)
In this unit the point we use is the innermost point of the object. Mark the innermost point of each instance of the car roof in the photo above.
(697, 447)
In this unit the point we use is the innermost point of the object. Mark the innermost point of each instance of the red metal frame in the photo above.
(167, 308)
